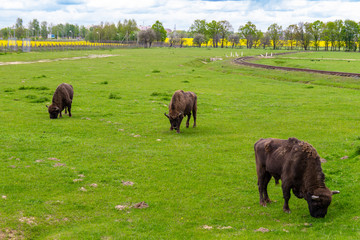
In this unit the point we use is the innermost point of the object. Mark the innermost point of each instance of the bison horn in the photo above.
(180, 114)
(314, 197)
(335, 192)
(47, 106)
(166, 115)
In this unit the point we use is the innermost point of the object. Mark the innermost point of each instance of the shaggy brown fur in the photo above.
(298, 166)
(182, 104)
(62, 99)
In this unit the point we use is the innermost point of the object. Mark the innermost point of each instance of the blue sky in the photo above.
(179, 13)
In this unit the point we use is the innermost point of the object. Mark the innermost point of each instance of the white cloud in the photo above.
(181, 13)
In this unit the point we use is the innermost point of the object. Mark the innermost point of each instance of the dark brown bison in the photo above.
(298, 166)
(181, 105)
(62, 99)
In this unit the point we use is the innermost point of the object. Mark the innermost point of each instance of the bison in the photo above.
(181, 104)
(62, 99)
(298, 166)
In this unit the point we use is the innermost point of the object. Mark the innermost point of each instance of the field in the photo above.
(80, 177)
(327, 61)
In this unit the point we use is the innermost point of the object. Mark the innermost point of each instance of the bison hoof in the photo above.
(263, 204)
(287, 210)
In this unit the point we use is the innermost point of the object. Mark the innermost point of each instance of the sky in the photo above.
(179, 14)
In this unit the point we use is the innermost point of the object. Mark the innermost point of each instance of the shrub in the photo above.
(114, 96)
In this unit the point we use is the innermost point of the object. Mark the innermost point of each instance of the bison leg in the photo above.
(286, 194)
(69, 108)
(194, 116)
(266, 181)
(263, 181)
(65, 110)
(188, 120)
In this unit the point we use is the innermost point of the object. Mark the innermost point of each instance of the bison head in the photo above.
(175, 121)
(319, 202)
(53, 111)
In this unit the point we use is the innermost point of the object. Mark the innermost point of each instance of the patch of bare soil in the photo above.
(127, 183)
(141, 205)
(58, 59)
(10, 234)
(207, 227)
(263, 230)
(59, 164)
(136, 205)
(28, 220)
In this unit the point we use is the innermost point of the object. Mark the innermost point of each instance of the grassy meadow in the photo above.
(80, 177)
(327, 61)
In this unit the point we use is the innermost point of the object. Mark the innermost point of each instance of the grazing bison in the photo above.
(62, 99)
(298, 166)
(182, 103)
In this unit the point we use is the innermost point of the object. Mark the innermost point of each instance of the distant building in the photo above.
(143, 28)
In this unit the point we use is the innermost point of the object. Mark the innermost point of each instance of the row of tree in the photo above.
(122, 31)
(335, 34)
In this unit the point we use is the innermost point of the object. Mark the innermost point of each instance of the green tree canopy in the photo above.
(160, 31)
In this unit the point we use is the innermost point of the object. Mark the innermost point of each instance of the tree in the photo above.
(173, 39)
(265, 40)
(234, 39)
(34, 28)
(303, 35)
(130, 27)
(200, 27)
(127, 30)
(274, 31)
(225, 29)
(83, 31)
(338, 32)
(350, 32)
(181, 35)
(160, 31)
(258, 35)
(109, 32)
(248, 31)
(329, 35)
(290, 34)
(20, 31)
(213, 29)
(146, 37)
(199, 39)
(44, 31)
(316, 29)
(4, 33)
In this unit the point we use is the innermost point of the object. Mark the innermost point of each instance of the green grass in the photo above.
(202, 176)
(327, 61)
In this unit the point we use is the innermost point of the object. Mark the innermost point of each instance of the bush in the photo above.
(114, 96)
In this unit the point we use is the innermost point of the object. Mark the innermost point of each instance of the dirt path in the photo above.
(57, 59)
(245, 61)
